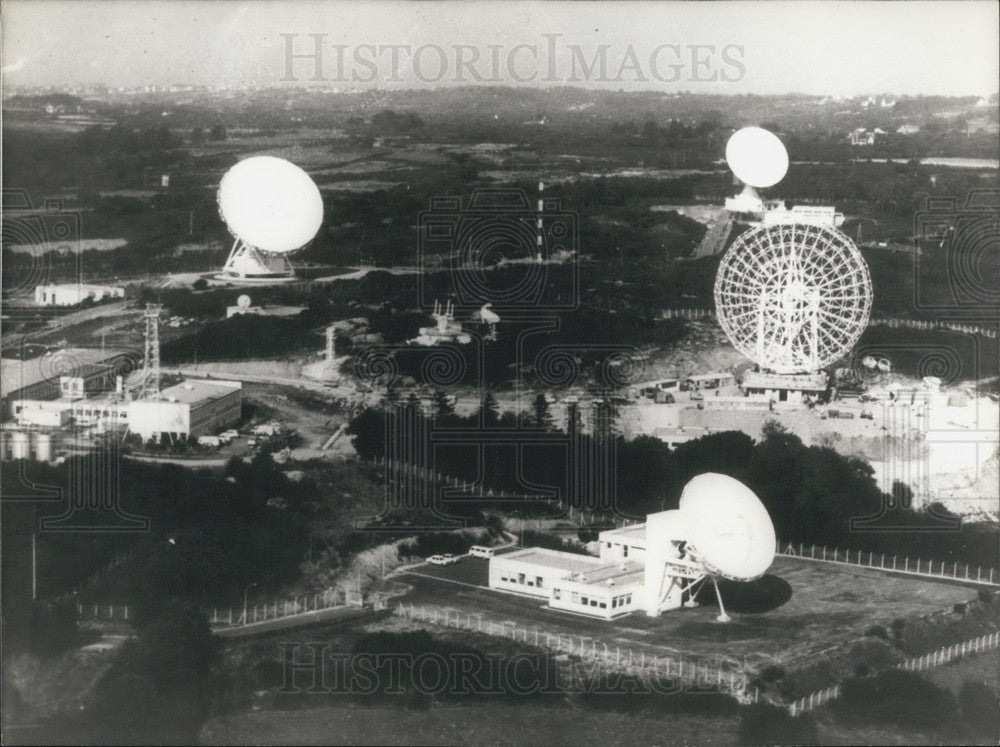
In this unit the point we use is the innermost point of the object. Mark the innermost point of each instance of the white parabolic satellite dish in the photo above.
(243, 301)
(728, 527)
(270, 204)
(757, 157)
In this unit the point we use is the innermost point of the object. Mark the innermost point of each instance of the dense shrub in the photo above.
(895, 697)
(980, 709)
(762, 723)
(877, 631)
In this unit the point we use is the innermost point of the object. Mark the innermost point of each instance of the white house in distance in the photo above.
(71, 294)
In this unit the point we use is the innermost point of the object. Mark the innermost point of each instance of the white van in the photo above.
(478, 551)
(208, 441)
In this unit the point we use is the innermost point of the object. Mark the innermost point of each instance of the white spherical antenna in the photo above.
(729, 528)
(757, 157)
(271, 204)
(243, 301)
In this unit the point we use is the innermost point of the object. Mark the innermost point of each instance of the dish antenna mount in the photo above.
(758, 159)
(272, 208)
(720, 530)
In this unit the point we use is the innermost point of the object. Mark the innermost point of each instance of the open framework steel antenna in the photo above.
(151, 356)
(793, 297)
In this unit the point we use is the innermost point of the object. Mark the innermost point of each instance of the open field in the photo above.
(489, 723)
(828, 605)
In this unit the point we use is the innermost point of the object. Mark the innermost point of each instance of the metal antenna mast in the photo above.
(151, 359)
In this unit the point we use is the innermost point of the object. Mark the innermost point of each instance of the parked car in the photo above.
(449, 559)
(867, 415)
(437, 560)
(230, 434)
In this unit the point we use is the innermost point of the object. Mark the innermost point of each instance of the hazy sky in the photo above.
(842, 48)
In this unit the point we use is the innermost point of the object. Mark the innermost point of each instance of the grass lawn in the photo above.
(828, 604)
(479, 724)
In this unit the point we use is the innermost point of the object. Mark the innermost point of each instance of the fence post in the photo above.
(907, 566)
(824, 552)
(126, 612)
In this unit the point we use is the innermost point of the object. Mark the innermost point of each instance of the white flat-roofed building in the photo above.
(195, 407)
(791, 388)
(714, 380)
(572, 582)
(53, 413)
(71, 294)
(533, 569)
(624, 543)
(607, 592)
(816, 215)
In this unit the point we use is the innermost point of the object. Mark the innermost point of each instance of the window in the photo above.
(503, 578)
(614, 602)
(624, 551)
(583, 601)
(608, 544)
(556, 594)
(531, 583)
(593, 602)
(520, 578)
(538, 581)
(628, 599)
(604, 605)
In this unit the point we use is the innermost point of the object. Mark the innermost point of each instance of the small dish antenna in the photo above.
(243, 301)
(272, 208)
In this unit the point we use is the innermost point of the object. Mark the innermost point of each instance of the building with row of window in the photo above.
(193, 408)
(617, 582)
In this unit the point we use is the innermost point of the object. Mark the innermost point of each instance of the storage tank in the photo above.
(43, 447)
(19, 445)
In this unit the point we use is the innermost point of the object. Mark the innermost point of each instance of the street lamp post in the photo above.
(245, 592)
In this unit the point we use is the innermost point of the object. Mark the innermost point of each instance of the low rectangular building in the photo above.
(715, 380)
(569, 581)
(54, 413)
(71, 294)
(195, 407)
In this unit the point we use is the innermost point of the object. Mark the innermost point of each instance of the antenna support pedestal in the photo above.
(723, 617)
